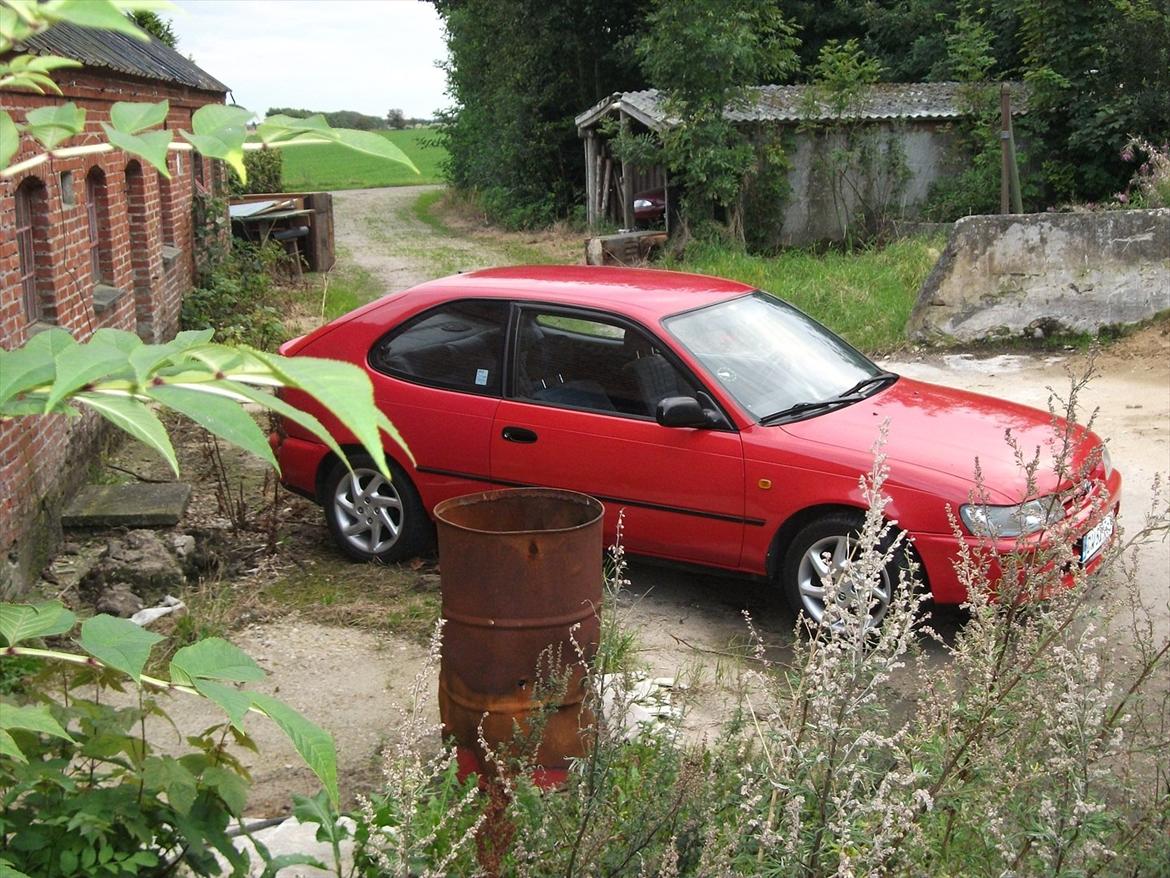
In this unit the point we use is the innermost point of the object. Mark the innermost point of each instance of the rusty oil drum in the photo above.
(521, 574)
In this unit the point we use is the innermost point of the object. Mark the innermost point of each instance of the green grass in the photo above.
(865, 295)
(317, 168)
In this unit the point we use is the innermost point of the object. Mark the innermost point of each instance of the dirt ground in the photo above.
(347, 675)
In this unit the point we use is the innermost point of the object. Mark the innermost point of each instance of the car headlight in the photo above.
(1011, 521)
(641, 204)
(1106, 461)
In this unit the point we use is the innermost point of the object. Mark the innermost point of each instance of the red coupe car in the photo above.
(729, 426)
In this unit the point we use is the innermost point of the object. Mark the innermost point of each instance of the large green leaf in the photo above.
(32, 718)
(217, 415)
(173, 778)
(282, 129)
(220, 133)
(83, 364)
(343, 387)
(372, 144)
(133, 117)
(97, 14)
(19, 622)
(31, 365)
(126, 342)
(150, 145)
(55, 124)
(144, 359)
(214, 659)
(232, 788)
(135, 418)
(294, 414)
(313, 743)
(119, 643)
(235, 703)
(9, 139)
(8, 748)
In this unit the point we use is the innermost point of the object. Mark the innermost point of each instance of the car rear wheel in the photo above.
(373, 518)
(826, 549)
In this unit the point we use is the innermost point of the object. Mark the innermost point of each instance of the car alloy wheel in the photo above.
(829, 558)
(371, 517)
(827, 548)
(368, 510)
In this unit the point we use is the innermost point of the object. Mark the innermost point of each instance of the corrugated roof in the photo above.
(124, 54)
(786, 103)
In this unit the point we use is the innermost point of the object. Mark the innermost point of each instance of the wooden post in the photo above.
(1005, 171)
(605, 189)
(627, 183)
(590, 179)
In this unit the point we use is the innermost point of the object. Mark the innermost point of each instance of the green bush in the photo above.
(84, 793)
(234, 298)
(265, 168)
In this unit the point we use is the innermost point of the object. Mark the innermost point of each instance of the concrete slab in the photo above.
(133, 505)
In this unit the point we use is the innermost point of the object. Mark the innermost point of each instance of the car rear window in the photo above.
(458, 345)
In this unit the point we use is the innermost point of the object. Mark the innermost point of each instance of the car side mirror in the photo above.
(682, 411)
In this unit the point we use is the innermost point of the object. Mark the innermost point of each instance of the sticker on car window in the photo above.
(481, 377)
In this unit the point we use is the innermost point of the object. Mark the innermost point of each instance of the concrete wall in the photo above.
(147, 267)
(814, 214)
(1036, 274)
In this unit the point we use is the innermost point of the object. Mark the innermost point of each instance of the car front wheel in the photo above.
(372, 517)
(827, 549)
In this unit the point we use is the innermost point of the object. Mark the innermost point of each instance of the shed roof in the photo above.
(786, 103)
(124, 54)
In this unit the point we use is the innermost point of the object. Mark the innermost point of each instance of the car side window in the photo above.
(458, 346)
(586, 362)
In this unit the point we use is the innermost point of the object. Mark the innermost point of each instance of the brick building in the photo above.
(91, 241)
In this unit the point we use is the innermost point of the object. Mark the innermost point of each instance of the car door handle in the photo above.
(519, 434)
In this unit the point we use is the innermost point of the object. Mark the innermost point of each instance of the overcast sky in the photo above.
(365, 55)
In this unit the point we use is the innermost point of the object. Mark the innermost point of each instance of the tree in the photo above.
(518, 72)
(158, 27)
(703, 56)
(395, 119)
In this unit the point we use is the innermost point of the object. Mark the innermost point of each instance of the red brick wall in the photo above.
(41, 457)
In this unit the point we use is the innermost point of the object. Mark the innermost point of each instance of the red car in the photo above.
(728, 425)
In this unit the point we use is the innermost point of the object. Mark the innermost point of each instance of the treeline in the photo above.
(353, 119)
(520, 70)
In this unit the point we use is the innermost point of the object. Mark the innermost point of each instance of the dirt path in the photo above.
(688, 624)
(379, 230)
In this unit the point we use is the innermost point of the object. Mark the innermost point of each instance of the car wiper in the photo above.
(800, 408)
(881, 377)
(853, 394)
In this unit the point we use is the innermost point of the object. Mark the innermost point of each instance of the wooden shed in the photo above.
(917, 118)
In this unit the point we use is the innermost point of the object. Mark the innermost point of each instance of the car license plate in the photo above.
(1096, 538)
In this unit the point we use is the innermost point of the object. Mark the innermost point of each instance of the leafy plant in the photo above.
(121, 378)
(85, 793)
(234, 297)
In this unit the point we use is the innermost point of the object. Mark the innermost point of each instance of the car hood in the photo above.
(946, 430)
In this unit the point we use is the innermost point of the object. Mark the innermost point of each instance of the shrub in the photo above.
(234, 298)
(84, 793)
(265, 168)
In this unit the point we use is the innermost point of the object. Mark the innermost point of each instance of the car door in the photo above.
(439, 377)
(579, 415)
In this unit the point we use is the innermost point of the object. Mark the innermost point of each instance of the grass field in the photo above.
(865, 295)
(317, 168)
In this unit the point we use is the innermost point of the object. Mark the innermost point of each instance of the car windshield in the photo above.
(774, 360)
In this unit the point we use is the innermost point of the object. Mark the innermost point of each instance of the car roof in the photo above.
(639, 292)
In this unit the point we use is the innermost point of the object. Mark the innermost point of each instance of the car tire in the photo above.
(373, 518)
(834, 534)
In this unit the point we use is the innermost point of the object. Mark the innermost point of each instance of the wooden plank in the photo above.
(605, 188)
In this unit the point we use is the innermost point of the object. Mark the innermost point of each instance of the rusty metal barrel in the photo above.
(521, 574)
